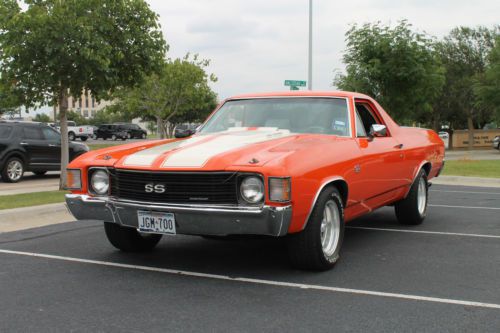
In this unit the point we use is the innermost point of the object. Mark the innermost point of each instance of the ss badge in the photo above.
(158, 188)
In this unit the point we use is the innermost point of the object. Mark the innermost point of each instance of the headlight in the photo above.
(99, 182)
(252, 190)
(74, 179)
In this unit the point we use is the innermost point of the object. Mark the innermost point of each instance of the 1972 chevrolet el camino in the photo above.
(294, 164)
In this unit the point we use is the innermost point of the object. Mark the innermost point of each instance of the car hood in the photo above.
(220, 151)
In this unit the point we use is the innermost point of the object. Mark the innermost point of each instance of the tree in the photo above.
(464, 54)
(396, 66)
(42, 118)
(487, 88)
(10, 100)
(179, 92)
(57, 48)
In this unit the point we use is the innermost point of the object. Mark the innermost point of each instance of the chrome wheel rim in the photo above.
(14, 170)
(422, 196)
(330, 228)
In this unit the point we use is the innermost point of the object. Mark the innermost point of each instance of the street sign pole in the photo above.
(309, 72)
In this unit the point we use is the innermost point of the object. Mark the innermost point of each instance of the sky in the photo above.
(255, 45)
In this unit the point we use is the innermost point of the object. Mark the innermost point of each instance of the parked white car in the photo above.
(76, 132)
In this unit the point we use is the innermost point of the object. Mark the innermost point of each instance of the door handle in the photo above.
(400, 146)
(24, 143)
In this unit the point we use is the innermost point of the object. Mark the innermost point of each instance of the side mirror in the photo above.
(377, 130)
(184, 134)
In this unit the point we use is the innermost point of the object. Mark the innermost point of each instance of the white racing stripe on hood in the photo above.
(146, 157)
(199, 154)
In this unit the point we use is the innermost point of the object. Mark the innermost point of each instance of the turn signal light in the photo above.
(74, 179)
(280, 189)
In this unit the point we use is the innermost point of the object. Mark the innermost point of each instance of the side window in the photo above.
(5, 131)
(32, 133)
(360, 128)
(50, 134)
(366, 116)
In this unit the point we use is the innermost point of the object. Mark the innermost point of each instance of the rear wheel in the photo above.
(129, 239)
(13, 170)
(113, 137)
(413, 209)
(83, 138)
(143, 136)
(71, 136)
(317, 247)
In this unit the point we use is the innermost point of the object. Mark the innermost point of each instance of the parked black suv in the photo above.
(110, 131)
(30, 146)
(133, 131)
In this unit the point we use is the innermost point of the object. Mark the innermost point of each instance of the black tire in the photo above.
(40, 173)
(124, 138)
(407, 210)
(143, 136)
(71, 136)
(129, 239)
(113, 137)
(305, 248)
(7, 172)
(83, 138)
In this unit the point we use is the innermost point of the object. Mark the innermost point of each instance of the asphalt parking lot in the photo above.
(441, 276)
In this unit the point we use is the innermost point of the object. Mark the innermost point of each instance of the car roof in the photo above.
(302, 93)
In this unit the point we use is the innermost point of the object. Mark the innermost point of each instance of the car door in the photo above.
(53, 140)
(36, 147)
(382, 158)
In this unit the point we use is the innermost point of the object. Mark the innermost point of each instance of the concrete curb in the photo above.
(466, 181)
(32, 217)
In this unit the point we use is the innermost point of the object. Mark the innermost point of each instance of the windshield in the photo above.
(298, 115)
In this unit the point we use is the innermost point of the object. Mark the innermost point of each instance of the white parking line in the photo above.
(465, 207)
(427, 232)
(260, 281)
(470, 192)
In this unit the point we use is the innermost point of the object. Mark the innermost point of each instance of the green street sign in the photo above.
(295, 83)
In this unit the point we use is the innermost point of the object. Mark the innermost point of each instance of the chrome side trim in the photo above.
(325, 183)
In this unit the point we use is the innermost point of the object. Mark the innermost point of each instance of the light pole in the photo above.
(309, 67)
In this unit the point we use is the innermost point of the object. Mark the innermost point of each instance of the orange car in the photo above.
(295, 164)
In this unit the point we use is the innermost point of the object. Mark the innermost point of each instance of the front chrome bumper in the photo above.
(189, 219)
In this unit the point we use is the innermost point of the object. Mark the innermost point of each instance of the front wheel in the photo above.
(143, 136)
(83, 138)
(113, 137)
(317, 247)
(413, 209)
(13, 170)
(129, 239)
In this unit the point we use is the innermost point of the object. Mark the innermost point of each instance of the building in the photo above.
(87, 106)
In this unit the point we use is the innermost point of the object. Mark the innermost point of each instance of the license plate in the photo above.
(156, 222)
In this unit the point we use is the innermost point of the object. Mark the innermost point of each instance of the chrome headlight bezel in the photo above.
(101, 175)
(251, 189)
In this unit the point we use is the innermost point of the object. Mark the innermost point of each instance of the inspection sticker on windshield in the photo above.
(156, 222)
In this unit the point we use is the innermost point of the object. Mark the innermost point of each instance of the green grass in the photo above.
(472, 168)
(95, 146)
(31, 199)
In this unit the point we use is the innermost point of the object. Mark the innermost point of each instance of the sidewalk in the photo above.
(466, 181)
(32, 217)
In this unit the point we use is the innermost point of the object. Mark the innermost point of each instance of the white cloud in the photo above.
(256, 45)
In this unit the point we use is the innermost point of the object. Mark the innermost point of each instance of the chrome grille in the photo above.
(180, 187)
